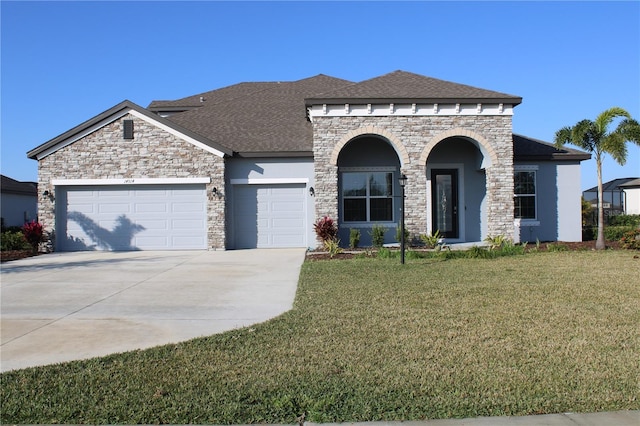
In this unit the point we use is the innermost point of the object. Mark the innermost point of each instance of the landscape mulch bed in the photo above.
(6, 256)
(570, 246)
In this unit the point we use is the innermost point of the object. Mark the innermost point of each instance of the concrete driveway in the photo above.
(68, 306)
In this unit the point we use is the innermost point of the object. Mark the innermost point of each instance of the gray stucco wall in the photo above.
(18, 209)
(559, 216)
(153, 153)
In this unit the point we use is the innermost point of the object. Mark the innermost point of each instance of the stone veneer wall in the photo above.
(153, 153)
(414, 133)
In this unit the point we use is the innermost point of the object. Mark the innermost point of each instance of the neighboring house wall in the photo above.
(413, 138)
(153, 153)
(17, 209)
(569, 202)
(632, 200)
(270, 172)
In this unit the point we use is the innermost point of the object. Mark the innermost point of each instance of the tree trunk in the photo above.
(600, 244)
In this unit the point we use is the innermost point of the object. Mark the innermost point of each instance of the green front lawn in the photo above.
(369, 339)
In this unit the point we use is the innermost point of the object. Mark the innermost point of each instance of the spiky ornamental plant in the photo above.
(594, 137)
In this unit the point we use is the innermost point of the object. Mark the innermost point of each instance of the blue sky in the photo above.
(65, 62)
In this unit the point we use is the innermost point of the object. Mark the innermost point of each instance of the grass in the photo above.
(369, 339)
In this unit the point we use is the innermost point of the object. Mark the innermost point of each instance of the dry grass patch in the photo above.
(370, 339)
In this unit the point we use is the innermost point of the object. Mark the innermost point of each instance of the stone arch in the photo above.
(485, 147)
(398, 146)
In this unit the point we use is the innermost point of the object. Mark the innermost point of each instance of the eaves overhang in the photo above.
(454, 100)
(273, 154)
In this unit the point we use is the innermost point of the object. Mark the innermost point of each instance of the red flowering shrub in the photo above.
(326, 229)
(631, 240)
(33, 233)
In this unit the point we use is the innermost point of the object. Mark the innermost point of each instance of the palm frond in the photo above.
(563, 136)
(630, 130)
(615, 145)
(605, 118)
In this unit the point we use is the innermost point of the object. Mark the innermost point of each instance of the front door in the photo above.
(444, 202)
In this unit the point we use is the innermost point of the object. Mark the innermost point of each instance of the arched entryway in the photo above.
(457, 189)
(368, 189)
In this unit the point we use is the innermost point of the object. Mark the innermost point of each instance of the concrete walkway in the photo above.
(68, 306)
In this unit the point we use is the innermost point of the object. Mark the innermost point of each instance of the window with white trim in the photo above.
(524, 183)
(367, 196)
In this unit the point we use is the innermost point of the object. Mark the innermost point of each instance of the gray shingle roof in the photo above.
(268, 119)
(410, 87)
(12, 186)
(529, 149)
(614, 185)
(223, 94)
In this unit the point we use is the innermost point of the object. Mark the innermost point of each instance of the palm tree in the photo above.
(593, 137)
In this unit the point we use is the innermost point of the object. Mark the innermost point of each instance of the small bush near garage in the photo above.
(13, 240)
(326, 229)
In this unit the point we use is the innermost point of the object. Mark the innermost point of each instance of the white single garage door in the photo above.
(269, 216)
(130, 217)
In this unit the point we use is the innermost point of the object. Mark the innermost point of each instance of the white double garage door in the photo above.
(174, 217)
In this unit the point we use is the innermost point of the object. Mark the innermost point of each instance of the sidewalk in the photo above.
(614, 418)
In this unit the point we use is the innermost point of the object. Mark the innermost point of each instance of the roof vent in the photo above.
(201, 99)
(128, 129)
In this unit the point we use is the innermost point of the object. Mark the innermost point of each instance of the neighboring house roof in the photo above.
(613, 185)
(404, 86)
(111, 114)
(12, 186)
(529, 149)
(635, 183)
(263, 119)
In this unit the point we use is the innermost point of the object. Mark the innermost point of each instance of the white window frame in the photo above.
(527, 169)
(368, 197)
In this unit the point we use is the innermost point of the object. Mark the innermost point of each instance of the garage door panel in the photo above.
(186, 207)
(157, 207)
(134, 218)
(186, 224)
(269, 216)
(119, 208)
(188, 240)
(287, 206)
(155, 225)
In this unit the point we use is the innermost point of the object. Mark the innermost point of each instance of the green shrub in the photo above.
(632, 220)
(555, 247)
(377, 235)
(614, 233)
(354, 237)
(631, 240)
(333, 247)
(430, 240)
(13, 240)
(498, 241)
(476, 252)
